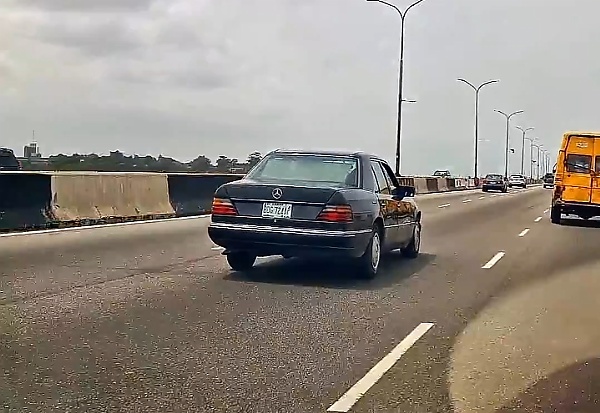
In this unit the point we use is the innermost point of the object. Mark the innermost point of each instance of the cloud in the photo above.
(86, 6)
(234, 76)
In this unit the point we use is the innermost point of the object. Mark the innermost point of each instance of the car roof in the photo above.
(359, 154)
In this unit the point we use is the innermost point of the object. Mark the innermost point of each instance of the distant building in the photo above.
(31, 151)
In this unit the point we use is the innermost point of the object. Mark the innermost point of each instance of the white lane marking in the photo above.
(493, 261)
(348, 399)
(493, 195)
(217, 248)
(88, 227)
(443, 205)
(538, 219)
(524, 232)
(481, 197)
(466, 200)
(546, 211)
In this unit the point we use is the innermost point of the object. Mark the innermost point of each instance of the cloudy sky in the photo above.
(189, 77)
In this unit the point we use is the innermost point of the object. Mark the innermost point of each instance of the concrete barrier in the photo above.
(421, 185)
(24, 200)
(106, 196)
(192, 194)
(442, 184)
(48, 199)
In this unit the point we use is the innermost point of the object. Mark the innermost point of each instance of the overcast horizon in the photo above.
(184, 78)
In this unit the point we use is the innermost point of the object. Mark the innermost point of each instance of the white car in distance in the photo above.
(517, 180)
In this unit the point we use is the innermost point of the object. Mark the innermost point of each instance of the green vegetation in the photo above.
(118, 162)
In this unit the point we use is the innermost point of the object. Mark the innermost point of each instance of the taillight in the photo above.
(221, 206)
(336, 213)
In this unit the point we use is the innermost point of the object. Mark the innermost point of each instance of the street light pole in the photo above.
(538, 147)
(531, 142)
(507, 116)
(477, 89)
(524, 131)
(400, 75)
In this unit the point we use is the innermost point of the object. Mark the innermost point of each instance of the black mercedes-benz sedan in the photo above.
(326, 205)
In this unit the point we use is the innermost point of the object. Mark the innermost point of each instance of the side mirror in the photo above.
(403, 191)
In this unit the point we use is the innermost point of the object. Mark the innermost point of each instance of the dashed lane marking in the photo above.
(348, 399)
(524, 232)
(538, 219)
(466, 201)
(493, 261)
(444, 206)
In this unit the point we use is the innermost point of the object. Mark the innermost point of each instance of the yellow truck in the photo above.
(577, 177)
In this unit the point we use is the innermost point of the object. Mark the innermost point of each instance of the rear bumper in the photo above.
(269, 240)
(578, 208)
(497, 187)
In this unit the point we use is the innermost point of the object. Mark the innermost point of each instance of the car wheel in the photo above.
(413, 248)
(369, 261)
(484, 189)
(555, 215)
(241, 260)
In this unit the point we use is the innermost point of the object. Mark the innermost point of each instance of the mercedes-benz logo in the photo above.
(277, 193)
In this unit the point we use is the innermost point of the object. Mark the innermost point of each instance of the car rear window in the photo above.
(493, 177)
(579, 163)
(308, 169)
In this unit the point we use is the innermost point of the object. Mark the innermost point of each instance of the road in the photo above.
(148, 318)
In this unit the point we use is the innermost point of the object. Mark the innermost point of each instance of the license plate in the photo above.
(273, 210)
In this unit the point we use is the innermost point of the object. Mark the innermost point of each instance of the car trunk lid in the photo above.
(272, 201)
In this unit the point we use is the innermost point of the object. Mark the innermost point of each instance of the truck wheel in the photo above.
(555, 215)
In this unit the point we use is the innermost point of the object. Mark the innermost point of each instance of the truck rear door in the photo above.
(577, 178)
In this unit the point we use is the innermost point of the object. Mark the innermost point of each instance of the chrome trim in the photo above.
(270, 201)
(294, 231)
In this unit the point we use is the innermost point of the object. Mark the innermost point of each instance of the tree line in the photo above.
(119, 162)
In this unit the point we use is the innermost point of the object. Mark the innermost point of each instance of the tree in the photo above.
(224, 164)
(201, 164)
(253, 159)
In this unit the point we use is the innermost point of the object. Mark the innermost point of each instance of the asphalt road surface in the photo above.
(499, 314)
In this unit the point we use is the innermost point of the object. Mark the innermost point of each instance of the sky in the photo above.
(184, 78)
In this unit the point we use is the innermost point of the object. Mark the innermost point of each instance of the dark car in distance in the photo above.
(329, 205)
(548, 180)
(494, 182)
(8, 160)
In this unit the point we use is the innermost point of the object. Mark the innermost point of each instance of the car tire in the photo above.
(413, 248)
(555, 215)
(370, 260)
(241, 260)
(484, 189)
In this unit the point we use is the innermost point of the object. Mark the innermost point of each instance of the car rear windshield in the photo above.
(493, 177)
(579, 163)
(8, 158)
(308, 169)
(516, 177)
